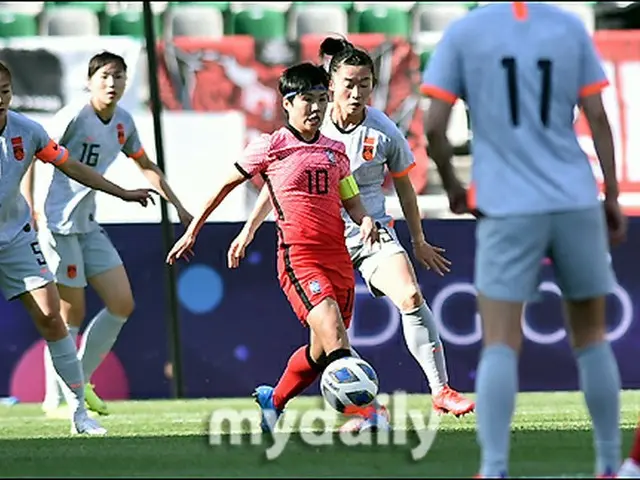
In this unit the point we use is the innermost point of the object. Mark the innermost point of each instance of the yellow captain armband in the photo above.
(348, 188)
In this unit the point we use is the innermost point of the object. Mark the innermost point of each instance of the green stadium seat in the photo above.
(14, 24)
(97, 7)
(222, 6)
(131, 23)
(398, 5)
(424, 59)
(379, 19)
(346, 6)
(260, 23)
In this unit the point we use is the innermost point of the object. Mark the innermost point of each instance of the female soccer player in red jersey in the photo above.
(309, 181)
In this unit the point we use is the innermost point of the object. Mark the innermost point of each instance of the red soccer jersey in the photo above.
(303, 179)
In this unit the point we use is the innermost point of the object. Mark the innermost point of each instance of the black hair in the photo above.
(4, 70)
(101, 59)
(302, 78)
(343, 52)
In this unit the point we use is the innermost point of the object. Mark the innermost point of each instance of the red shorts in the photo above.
(306, 282)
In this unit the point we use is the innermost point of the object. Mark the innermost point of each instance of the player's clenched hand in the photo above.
(238, 247)
(431, 257)
(458, 199)
(369, 232)
(616, 222)
(182, 248)
(141, 195)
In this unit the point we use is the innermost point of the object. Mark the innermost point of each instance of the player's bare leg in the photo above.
(43, 305)
(497, 382)
(72, 310)
(330, 331)
(114, 290)
(631, 466)
(599, 379)
(328, 334)
(307, 363)
(396, 278)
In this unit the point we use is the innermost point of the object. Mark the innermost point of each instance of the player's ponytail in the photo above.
(332, 46)
(342, 52)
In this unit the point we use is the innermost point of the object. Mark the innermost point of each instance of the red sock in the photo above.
(635, 449)
(298, 375)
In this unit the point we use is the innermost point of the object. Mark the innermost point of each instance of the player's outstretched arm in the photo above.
(157, 179)
(245, 237)
(92, 179)
(428, 255)
(409, 204)
(259, 213)
(184, 245)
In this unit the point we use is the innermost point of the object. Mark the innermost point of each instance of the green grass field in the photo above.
(551, 436)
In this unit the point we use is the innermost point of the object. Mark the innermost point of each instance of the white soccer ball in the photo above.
(347, 382)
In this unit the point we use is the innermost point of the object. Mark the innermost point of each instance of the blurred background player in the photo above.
(372, 142)
(24, 273)
(522, 68)
(309, 180)
(74, 245)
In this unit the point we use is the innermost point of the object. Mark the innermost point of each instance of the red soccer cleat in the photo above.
(366, 418)
(450, 401)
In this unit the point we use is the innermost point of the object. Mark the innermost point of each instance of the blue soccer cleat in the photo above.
(270, 414)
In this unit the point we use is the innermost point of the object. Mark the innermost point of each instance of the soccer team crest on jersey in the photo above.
(314, 286)
(368, 148)
(331, 156)
(72, 271)
(18, 148)
(121, 135)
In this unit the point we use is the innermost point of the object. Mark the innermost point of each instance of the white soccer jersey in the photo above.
(21, 140)
(371, 146)
(70, 206)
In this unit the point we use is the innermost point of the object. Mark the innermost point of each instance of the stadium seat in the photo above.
(260, 23)
(222, 6)
(436, 17)
(381, 19)
(131, 22)
(32, 8)
(17, 24)
(69, 21)
(276, 6)
(346, 6)
(404, 6)
(115, 7)
(97, 7)
(193, 20)
(424, 59)
(317, 19)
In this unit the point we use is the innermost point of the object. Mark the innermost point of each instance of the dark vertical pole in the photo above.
(173, 324)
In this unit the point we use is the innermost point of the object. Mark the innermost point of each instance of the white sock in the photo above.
(64, 357)
(53, 395)
(98, 339)
(423, 341)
